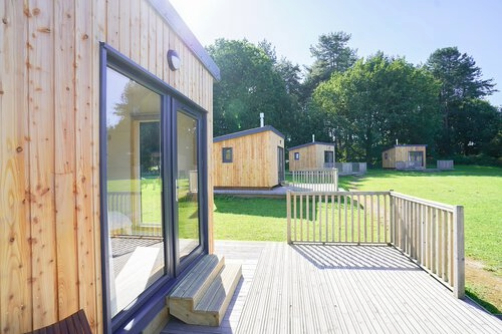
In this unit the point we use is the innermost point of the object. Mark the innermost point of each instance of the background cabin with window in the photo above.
(312, 156)
(252, 158)
(405, 157)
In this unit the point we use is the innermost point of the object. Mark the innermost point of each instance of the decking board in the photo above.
(338, 289)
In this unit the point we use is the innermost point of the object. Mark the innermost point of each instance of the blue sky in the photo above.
(409, 28)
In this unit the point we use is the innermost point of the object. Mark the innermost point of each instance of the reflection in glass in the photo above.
(188, 200)
(134, 189)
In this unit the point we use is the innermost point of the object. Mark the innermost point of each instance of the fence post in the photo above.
(459, 252)
(392, 219)
(288, 208)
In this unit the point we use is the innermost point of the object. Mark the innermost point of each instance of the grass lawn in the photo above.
(258, 219)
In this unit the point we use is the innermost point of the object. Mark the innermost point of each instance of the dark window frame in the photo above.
(329, 153)
(152, 301)
(297, 156)
(224, 155)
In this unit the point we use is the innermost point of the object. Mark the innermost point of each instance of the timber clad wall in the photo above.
(254, 163)
(311, 156)
(50, 261)
(400, 153)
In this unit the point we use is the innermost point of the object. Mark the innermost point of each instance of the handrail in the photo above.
(429, 233)
(338, 217)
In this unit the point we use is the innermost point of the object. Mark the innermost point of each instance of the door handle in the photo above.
(177, 189)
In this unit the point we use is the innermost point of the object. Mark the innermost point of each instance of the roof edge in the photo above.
(247, 133)
(311, 143)
(171, 16)
(405, 145)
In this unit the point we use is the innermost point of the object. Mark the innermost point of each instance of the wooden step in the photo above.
(215, 302)
(203, 296)
(194, 285)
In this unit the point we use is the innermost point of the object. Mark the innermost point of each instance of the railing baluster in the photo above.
(307, 220)
(314, 216)
(326, 220)
(301, 218)
(359, 218)
(333, 218)
(339, 200)
(366, 213)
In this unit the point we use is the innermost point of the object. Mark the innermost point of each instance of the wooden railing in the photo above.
(316, 180)
(431, 234)
(339, 217)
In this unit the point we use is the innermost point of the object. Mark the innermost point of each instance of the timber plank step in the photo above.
(203, 296)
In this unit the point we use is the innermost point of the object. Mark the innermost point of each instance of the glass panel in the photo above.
(188, 180)
(134, 189)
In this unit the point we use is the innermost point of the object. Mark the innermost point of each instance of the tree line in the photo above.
(363, 105)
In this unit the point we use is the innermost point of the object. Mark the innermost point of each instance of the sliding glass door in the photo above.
(152, 186)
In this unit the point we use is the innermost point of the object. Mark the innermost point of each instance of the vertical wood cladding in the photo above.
(49, 166)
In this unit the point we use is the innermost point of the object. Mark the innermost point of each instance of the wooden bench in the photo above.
(74, 324)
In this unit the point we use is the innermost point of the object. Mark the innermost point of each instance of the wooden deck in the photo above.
(338, 289)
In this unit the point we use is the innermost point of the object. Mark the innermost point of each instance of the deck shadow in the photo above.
(355, 257)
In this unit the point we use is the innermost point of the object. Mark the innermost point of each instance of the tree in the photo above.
(377, 101)
(332, 55)
(250, 84)
(476, 123)
(461, 81)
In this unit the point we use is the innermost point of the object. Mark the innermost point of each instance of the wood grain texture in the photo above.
(42, 157)
(50, 257)
(15, 233)
(86, 223)
(64, 126)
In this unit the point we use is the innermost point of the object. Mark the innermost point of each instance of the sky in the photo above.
(408, 28)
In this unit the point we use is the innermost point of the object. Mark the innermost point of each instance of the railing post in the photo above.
(392, 219)
(288, 208)
(459, 252)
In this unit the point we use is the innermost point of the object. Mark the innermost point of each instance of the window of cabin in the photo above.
(227, 154)
(297, 155)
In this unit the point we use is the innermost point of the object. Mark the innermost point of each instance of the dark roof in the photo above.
(167, 11)
(247, 133)
(390, 148)
(311, 143)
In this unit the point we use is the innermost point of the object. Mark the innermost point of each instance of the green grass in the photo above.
(257, 219)
(478, 189)
(261, 219)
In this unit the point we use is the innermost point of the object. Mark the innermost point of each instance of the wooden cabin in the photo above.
(106, 110)
(251, 158)
(310, 156)
(404, 157)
